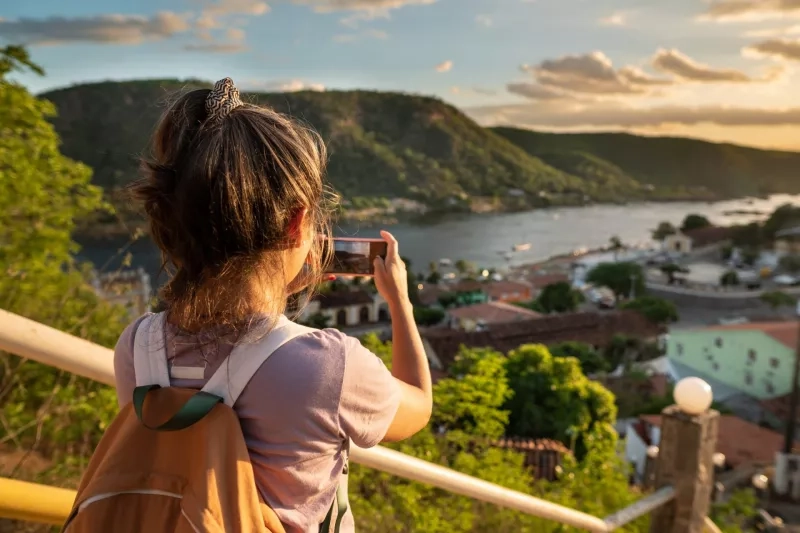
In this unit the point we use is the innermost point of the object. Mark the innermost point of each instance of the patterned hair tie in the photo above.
(222, 99)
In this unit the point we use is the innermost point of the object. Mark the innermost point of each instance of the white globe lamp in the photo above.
(760, 481)
(719, 460)
(652, 452)
(693, 396)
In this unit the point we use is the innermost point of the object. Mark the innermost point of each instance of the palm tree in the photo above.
(616, 245)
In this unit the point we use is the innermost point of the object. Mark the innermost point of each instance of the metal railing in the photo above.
(40, 503)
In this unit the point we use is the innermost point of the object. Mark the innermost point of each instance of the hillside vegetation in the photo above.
(391, 145)
(669, 163)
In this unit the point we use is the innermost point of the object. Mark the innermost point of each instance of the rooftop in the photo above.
(592, 328)
(337, 299)
(493, 313)
(740, 441)
(709, 235)
(785, 332)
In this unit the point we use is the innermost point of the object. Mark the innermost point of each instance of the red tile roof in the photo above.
(779, 406)
(785, 332)
(493, 313)
(540, 281)
(740, 441)
(592, 328)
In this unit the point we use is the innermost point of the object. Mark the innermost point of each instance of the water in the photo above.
(486, 239)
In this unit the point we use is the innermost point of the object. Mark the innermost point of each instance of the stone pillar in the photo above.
(685, 461)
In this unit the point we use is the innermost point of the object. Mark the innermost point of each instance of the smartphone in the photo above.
(355, 257)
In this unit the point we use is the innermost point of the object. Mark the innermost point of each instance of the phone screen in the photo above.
(355, 257)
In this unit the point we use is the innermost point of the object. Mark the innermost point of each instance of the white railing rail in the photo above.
(35, 341)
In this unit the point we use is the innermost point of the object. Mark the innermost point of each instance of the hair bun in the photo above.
(222, 99)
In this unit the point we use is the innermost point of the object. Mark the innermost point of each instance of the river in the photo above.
(485, 239)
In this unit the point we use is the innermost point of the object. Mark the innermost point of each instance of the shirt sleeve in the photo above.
(370, 395)
(124, 373)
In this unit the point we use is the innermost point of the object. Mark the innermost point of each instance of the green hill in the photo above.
(668, 163)
(391, 145)
(381, 144)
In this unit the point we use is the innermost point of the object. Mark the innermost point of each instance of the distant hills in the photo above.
(385, 145)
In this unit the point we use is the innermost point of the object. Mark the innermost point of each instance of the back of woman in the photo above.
(237, 203)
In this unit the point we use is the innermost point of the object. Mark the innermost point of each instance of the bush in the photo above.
(729, 279)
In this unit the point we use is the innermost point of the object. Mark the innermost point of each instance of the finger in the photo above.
(379, 266)
(392, 250)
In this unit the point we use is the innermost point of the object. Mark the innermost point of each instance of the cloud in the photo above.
(750, 10)
(445, 66)
(375, 6)
(216, 48)
(774, 32)
(484, 20)
(282, 86)
(777, 48)
(472, 91)
(615, 19)
(587, 74)
(235, 7)
(608, 116)
(107, 29)
(684, 67)
(366, 34)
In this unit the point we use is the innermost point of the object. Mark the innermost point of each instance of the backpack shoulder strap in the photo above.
(150, 352)
(238, 369)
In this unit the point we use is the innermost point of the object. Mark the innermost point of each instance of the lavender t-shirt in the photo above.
(312, 394)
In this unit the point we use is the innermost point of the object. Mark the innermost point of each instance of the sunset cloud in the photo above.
(615, 19)
(445, 66)
(750, 10)
(106, 29)
(282, 86)
(326, 6)
(684, 67)
(788, 49)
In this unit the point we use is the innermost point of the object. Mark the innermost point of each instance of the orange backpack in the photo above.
(175, 459)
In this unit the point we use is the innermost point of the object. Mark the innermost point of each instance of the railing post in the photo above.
(686, 459)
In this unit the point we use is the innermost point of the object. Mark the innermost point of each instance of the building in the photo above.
(697, 239)
(742, 442)
(597, 329)
(348, 308)
(128, 288)
(509, 291)
(480, 316)
(542, 456)
(755, 359)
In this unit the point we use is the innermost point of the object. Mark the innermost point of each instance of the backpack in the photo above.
(175, 460)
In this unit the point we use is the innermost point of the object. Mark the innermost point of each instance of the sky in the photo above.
(722, 70)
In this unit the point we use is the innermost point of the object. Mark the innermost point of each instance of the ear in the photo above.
(296, 228)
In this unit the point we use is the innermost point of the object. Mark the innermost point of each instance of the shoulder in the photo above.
(124, 347)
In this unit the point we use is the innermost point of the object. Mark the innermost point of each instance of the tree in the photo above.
(464, 267)
(729, 279)
(664, 230)
(42, 193)
(554, 399)
(778, 299)
(425, 316)
(590, 359)
(670, 269)
(790, 263)
(433, 278)
(749, 236)
(559, 297)
(654, 309)
(624, 279)
(413, 291)
(694, 221)
(784, 217)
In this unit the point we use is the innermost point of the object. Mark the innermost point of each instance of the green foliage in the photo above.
(664, 230)
(554, 399)
(559, 297)
(425, 316)
(729, 279)
(790, 263)
(670, 269)
(737, 514)
(656, 310)
(42, 193)
(590, 359)
(784, 217)
(778, 299)
(676, 168)
(464, 267)
(749, 236)
(694, 221)
(622, 278)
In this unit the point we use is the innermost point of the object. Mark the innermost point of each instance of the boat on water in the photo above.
(445, 262)
(522, 247)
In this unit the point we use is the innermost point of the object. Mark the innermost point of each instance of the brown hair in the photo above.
(219, 191)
